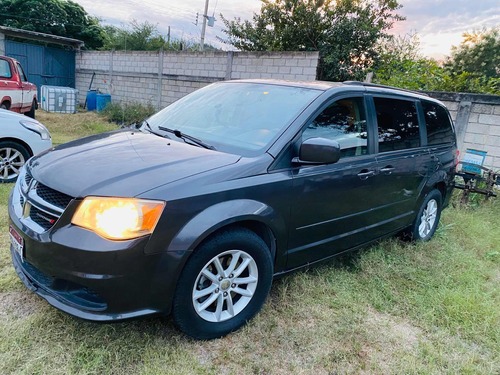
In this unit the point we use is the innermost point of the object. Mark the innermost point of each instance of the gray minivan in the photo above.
(197, 209)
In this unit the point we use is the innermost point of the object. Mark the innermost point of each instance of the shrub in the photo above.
(128, 113)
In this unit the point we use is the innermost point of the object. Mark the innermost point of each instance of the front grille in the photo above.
(53, 197)
(45, 220)
(28, 178)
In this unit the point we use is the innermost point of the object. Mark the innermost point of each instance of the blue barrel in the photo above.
(102, 101)
(91, 100)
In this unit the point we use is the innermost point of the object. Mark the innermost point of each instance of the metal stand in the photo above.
(472, 183)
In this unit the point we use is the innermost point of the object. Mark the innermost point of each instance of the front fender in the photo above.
(222, 214)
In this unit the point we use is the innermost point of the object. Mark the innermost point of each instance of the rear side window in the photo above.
(5, 69)
(397, 124)
(439, 129)
(343, 121)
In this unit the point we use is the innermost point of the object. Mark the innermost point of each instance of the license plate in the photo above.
(17, 241)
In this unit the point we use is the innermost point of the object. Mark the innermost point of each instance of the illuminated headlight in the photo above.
(118, 218)
(36, 127)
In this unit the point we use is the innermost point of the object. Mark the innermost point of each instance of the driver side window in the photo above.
(343, 121)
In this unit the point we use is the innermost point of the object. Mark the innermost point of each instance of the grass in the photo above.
(392, 308)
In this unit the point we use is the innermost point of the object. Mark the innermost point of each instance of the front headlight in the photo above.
(118, 218)
(37, 128)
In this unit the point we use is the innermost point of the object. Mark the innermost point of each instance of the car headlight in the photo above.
(37, 128)
(118, 218)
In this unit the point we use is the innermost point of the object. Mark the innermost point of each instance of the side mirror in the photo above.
(318, 151)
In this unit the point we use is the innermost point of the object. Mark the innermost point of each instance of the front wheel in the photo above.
(428, 216)
(223, 285)
(12, 157)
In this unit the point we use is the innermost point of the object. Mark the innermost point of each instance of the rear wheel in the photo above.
(428, 216)
(31, 112)
(223, 285)
(12, 157)
(3, 106)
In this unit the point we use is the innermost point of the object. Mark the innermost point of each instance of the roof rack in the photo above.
(358, 83)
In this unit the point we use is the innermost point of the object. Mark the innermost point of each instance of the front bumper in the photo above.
(90, 277)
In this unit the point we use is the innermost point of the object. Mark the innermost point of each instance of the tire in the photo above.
(31, 112)
(3, 106)
(12, 157)
(430, 213)
(238, 245)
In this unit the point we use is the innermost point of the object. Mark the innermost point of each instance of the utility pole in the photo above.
(204, 27)
(168, 38)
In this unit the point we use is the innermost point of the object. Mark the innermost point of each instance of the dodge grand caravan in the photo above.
(194, 211)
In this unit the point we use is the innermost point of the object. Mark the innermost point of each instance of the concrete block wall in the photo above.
(477, 122)
(160, 78)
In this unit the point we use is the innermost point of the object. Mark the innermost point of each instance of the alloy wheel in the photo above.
(225, 286)
(11, 161)
(428, 218)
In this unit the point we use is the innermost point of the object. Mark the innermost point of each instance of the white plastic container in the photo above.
(59, 99)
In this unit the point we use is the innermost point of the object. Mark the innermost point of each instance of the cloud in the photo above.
(439, 23)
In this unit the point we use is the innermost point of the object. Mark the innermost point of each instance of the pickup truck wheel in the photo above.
(223, 285)
(12, 157)
(3, 106)
(31, 112)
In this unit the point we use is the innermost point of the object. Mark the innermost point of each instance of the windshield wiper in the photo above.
(149, 129)
(186, 137)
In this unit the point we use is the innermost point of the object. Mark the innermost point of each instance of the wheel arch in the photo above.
(6, 100)
(253, 215)
(20, 141)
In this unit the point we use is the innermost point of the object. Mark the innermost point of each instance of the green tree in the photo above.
(144, 37)
(135, 37)
(56, 17)
(478, 54)
(345, 32)
(400, 64)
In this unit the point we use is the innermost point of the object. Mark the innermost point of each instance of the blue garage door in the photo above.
(44, 65)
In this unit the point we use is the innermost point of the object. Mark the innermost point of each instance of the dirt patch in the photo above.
(19, 304)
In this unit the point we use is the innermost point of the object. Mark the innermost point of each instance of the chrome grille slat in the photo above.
(46, 205)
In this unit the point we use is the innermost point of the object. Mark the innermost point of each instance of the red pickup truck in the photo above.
(16, 93)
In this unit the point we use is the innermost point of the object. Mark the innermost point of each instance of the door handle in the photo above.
(387, 170)
(365, 173)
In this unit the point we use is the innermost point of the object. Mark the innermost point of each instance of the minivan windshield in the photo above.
(236, 117)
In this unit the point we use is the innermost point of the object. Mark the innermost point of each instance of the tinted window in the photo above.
(439, 129)
(397, 124)
(21, 72)
(5, 69)
(343, 121)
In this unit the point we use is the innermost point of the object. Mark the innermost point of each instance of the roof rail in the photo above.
(358, 83)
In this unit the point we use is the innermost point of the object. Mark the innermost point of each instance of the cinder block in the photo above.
(296, 70)
(284, 69)
(479, 139)
(494, 130)
(477, 128)
(482, 108)
(489, 119)
(474, 117)
(310, 71)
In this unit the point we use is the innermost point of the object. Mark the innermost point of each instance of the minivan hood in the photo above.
(122, 163)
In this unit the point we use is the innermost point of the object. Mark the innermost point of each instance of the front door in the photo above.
(332, 206)
(26, 89)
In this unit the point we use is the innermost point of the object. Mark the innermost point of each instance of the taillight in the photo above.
(457, 159)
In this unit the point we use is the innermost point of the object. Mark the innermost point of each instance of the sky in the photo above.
(439, 23)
